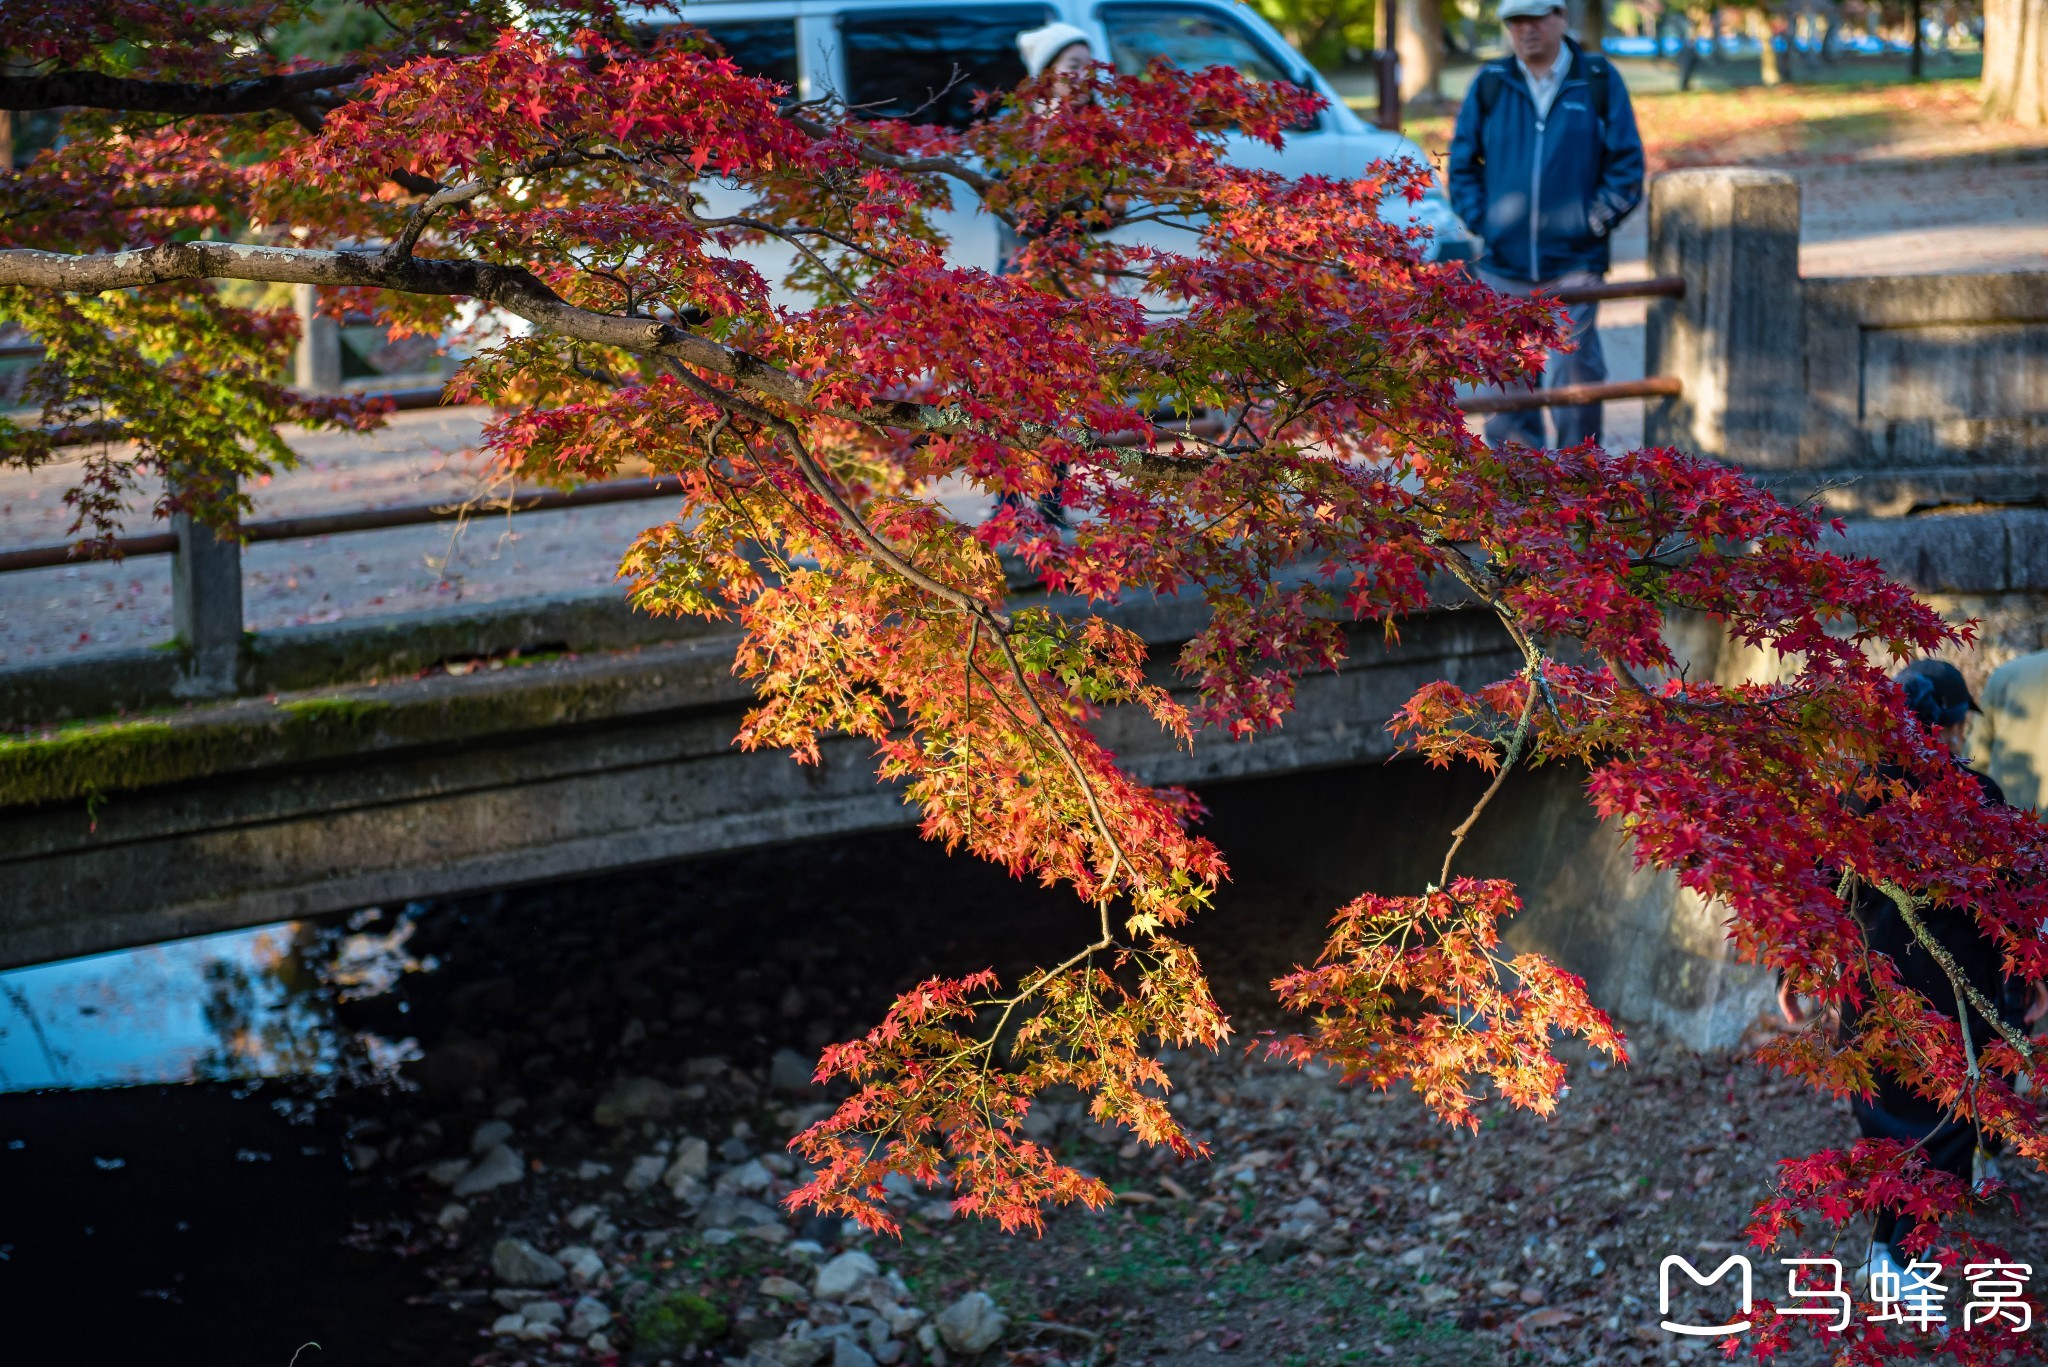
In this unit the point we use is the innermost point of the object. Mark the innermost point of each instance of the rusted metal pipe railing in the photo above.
(1571, 395)
(1656, 287)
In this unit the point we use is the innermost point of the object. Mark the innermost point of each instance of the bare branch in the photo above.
(97, 90)
(978, 181)
(416, 223)
(1500, 776)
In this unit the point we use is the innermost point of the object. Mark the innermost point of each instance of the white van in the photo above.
(900, 56)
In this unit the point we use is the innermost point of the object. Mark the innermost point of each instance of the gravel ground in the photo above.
(596, 1156)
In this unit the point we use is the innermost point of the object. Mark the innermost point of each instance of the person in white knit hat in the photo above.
(1061, 49)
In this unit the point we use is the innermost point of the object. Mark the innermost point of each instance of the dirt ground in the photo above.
(1529, 1241)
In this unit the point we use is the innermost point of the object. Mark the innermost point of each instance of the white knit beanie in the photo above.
(1040, 45)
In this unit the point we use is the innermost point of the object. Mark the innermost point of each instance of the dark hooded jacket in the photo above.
(1538, 226)
(1975, 953)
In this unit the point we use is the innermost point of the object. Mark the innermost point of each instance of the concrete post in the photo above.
(206, 607)
(1737, 338)
(316, 368)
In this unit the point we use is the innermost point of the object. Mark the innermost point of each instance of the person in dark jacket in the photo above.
(1938, 696)
(1545, 162)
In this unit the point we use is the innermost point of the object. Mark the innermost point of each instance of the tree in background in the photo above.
(1764, 26)
(1591, 22)
(1327, 31)
(2015, 83)
(1419, 38)
(1324, 30)
(613, 197)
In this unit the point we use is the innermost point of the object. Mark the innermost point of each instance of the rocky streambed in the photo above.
(583, 1158)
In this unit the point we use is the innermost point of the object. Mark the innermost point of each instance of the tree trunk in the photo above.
(1916, 61)
(2016, 61)
(1767, 45)
(1419, 38)
(1593, 28)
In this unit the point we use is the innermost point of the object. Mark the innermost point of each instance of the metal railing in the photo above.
(367, 520)
(1572, 395)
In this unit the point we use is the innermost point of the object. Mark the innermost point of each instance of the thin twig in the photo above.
(1443, 879)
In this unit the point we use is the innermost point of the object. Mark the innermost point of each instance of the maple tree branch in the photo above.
(1969, 1052)
(521, 293)
(416, 222)
(1073, 764)
(978, 181)
(1909, 911)
(822, 485)
(97, 90)
(1625, 676)
(1464, 828)
(998, 623)
(685, 202)
(968, 670)
(978, 612)
(1483, 587)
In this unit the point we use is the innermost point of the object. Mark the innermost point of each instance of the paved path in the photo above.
(419, 457)
(1857, 221)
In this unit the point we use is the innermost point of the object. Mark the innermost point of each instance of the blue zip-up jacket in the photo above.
(1540, 227)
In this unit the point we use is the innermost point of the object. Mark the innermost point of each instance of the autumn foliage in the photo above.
(1239, 388)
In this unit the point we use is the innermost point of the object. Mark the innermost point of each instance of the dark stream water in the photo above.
(209, 1149)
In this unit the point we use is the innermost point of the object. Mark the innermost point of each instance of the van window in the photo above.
(765, 48)
(1191, 38)
(1188, 38)
(928, 65)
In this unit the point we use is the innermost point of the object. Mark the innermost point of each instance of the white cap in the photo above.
(1040, 45)
(1528, 9)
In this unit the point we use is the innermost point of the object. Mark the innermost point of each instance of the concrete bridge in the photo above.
(243, 811)
(319, 769)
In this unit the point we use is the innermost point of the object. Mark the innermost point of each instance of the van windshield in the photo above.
(928, 65)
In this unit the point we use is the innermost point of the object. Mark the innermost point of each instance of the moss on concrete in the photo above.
(91, 759)
(87, 759)
(341, 710)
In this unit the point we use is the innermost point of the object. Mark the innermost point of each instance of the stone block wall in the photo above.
(1880, 395)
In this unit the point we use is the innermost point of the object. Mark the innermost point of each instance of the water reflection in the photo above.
(241, 1004)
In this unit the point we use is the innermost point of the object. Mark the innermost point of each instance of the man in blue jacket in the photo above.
(1545, 162)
